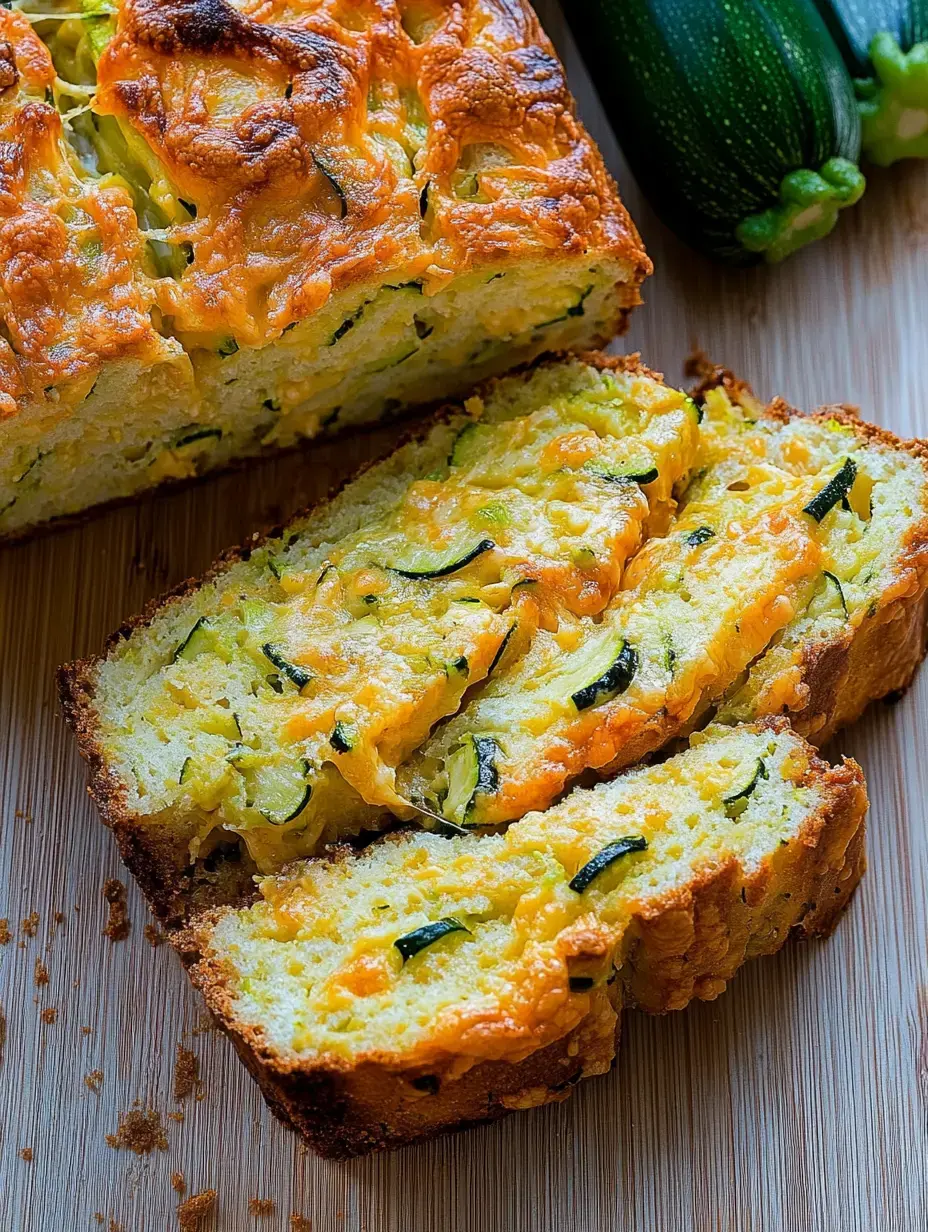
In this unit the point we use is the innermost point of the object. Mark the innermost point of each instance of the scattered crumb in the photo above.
(178, 1184)
(41, 973)
(260, 1207)
(153, 935)
(50, 1015)
(23, 815)
(140, 1132)
(59, 917)
(299, 1223)
(191, 1212)
(99, 1216)
(94, 1080)
(186, 1073)
(86, 1030)
(26, 1154)
(5, 933)
(176, 1116)
(116, 1227)
(206, 1024)
(697, 365)
(117, 924)
(30, 924)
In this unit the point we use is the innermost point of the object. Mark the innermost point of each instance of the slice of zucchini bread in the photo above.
(427, 983)
(560, 578)
(227, 228)
(275, 701)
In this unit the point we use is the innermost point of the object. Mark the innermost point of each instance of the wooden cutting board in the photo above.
(798, 1102)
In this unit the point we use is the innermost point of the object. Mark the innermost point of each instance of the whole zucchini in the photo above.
(738, 117)
(885, 46)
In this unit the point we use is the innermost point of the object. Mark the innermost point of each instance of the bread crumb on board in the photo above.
(41, 973)
(139, 1131)
(94, 1080)
(153, 935)
(117, 924)
(26, 1154)
(299, 1223)
(29, 926)
(178, 1184)
(261, 1207)
(49, 1016)
(5, 934)
(191, 1213)
(186, 1073)
(176, 1116)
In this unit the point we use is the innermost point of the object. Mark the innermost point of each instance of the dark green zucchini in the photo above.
(281, 793)
(738, 117)
(501, 649)
(195, 433)
(343, 737)
(471, 770)
(603, 859)
(835, 489)
(885, 47)
(198, 641)
(611, 679)
(701, 535)
(411, 943)
(299, 675)
(641, 471)
(424, 563)
(736, 803)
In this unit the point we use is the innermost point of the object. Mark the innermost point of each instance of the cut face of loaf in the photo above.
(221, 263)
(562, 577)
(428, 982)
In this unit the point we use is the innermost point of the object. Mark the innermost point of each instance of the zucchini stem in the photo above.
(893, 103)
(807, 211)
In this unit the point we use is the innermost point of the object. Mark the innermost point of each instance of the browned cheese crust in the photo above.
(295, 197)
(682, 945)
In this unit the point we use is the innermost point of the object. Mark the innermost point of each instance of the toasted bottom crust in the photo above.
(686, 945)
(373, 1108)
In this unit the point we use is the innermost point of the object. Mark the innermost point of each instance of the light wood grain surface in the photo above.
(798, 1102)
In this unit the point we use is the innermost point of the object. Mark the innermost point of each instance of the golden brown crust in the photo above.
(681, 945)
(320, 145)
(71, 293)
(344, 1113)
(333, 82)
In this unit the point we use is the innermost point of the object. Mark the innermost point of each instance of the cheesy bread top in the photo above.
(196, 172)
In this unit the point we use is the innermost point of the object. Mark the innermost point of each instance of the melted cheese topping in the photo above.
(188, 169)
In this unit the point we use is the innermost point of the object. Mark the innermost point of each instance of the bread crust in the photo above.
(839, 677)
(684, 944)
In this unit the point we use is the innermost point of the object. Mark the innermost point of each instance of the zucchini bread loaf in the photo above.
(573, 568)
(427, 983)
(224, 229)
